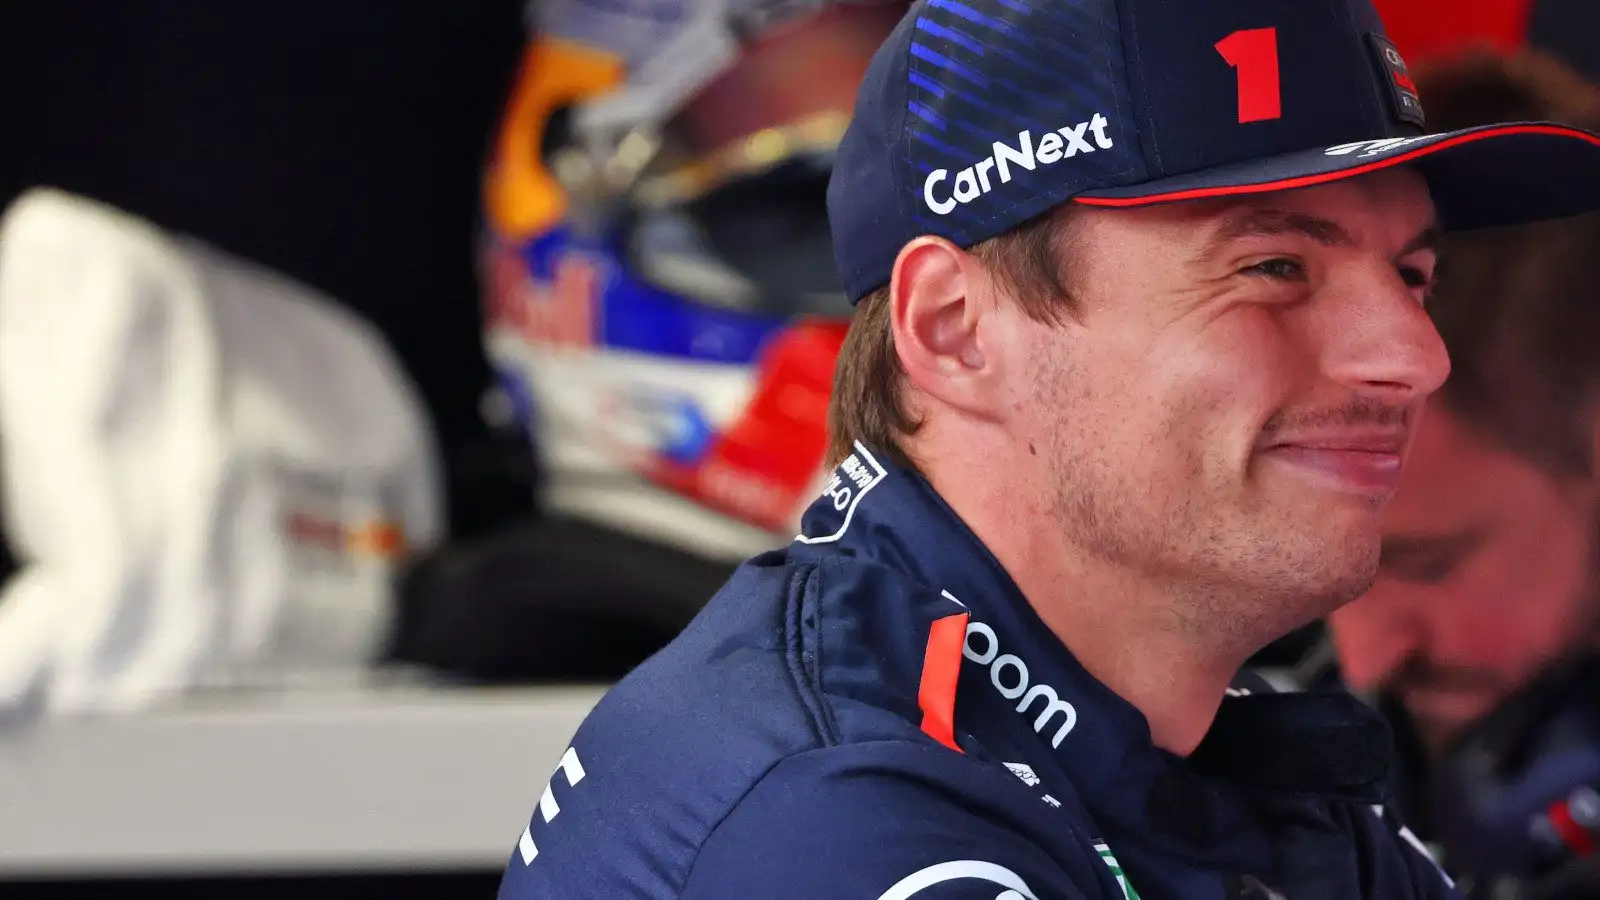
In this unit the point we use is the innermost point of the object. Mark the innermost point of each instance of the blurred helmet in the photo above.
(662, 308)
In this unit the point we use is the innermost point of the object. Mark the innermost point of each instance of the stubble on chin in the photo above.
(1237, 577)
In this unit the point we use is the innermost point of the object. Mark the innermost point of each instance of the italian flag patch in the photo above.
(1128, 892)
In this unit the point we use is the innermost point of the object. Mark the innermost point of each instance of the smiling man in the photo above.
(1140, 344)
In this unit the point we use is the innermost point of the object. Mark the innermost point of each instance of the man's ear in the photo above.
(938, 298)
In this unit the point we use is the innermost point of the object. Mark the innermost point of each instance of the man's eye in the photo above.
(1415, 277)
(1419, 280)
(1280, 269)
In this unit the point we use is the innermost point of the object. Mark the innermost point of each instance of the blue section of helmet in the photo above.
(634, 315)
(683, 433)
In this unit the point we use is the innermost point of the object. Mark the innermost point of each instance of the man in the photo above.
(1499, 499)
(1096, 447)
(1489, 580)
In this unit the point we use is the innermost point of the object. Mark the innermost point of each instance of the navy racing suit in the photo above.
(876, 712)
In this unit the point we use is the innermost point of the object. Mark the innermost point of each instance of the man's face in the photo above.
(1229, 410)
(1488, 575)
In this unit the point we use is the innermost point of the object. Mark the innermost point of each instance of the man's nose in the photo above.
(1381, 343)
(1373, 637)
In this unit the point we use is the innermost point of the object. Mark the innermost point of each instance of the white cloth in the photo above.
(209, 472)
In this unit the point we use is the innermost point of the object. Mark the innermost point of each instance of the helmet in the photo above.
(662, 309)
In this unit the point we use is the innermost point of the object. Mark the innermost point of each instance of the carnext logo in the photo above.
(1054, 146)
(1009, 675)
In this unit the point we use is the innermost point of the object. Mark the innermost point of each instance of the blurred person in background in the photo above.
(662, 315)
(1480, 635)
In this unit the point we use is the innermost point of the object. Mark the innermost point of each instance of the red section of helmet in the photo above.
(761, 467)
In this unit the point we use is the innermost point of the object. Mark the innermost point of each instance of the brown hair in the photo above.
(1519, 308)
(868, 402)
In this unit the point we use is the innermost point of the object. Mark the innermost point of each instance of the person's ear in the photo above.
(939, 299)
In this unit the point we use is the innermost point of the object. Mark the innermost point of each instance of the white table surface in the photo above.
(392, 779)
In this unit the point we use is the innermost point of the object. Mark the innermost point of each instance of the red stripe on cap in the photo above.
(1326, 177)
(1576, 836)
(941, 667)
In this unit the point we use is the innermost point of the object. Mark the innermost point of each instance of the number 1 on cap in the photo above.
(1253, 54)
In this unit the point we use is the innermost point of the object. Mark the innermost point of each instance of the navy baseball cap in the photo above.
(977, 115)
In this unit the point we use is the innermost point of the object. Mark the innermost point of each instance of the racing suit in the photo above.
(876, 712)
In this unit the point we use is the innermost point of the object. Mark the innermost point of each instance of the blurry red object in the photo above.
(1429, 28)
(762, 468)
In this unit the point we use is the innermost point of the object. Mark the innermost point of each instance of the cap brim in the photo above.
(1480, 177)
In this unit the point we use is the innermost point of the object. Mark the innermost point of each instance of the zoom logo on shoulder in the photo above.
(1011, 885)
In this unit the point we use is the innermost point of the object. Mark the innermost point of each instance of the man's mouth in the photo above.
(1363, 461)
(1448, 703)
(1441, 713)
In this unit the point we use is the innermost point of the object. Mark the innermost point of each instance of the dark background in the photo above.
(339, 142)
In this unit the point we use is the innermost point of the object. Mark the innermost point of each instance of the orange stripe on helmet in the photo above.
(522, 198)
